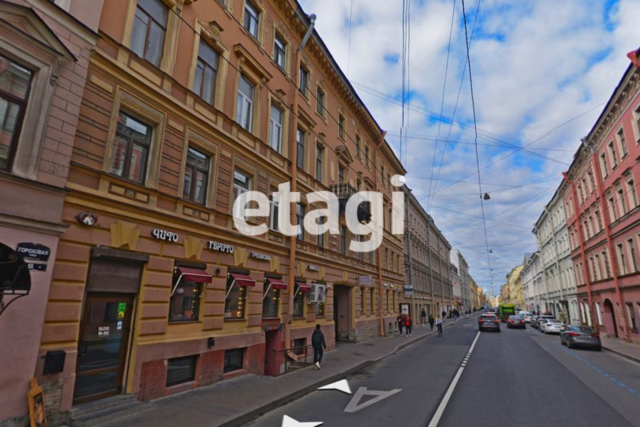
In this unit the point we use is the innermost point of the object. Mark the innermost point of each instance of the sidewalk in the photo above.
(239, 400)
(621, 348)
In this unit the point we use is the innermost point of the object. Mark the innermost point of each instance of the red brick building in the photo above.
(603, 214)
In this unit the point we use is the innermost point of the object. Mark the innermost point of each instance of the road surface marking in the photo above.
(290, 422)
(341, 385)
(445, 400)
(354, 405)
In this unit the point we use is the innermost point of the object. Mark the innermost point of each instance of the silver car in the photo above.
(551, 326)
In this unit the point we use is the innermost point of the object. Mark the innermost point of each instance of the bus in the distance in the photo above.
(507, 310)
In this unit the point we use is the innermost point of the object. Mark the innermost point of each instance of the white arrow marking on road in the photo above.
(341, 385)
(290, 422)
(354, 406)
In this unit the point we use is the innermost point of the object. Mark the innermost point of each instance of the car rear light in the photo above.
(480, 321)
(596, 335)
(573, 334)
(496, 321)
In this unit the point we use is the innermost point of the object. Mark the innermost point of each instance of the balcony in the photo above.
(344, 192)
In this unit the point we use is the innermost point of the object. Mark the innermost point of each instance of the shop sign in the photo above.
(103, 331)
(167, 236)
(220, 247)
(365, 280)
(408, 290)
(404, 309)
(313, 268)
(261, 257)
(33, 251)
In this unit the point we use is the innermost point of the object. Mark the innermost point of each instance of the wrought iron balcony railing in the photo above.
(344, 193)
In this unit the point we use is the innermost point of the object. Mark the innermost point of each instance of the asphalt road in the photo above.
(515, 377)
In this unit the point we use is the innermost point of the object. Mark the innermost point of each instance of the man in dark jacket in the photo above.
(318, 344)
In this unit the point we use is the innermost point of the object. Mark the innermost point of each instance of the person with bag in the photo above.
(318, 344)
(400, 321)
(439, 325)
(431, 321)
(408, 323)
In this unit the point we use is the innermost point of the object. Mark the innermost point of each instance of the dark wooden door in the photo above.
(103, 346)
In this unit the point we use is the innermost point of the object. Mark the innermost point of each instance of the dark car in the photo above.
(580, 336)
(516, 322)
(489, 322)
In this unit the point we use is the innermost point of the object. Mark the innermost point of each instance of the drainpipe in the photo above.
(408, 232)
(585, 270)
(294, 184)
(607, 231)
(380, 313)
(430, 267)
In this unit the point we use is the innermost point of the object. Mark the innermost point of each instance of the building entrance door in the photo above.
(272, 357)
(611, 314)
(342, 312)
(103, 346)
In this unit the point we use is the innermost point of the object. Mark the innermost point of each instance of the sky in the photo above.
(542, 72)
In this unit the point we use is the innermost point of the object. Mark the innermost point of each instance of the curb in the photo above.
(255, 413)
(621, 354)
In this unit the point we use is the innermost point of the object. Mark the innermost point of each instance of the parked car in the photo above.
(551, 326)
(541, 317)
(516, 322)
(488, 322)
(526, 315)
(580, 336)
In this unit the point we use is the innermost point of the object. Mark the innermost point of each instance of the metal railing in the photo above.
(301, 351)
(344, 192)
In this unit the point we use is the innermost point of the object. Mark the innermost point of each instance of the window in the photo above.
(275, 129)
(233, 359)
(622, 142)
(300, 208)
(300, 137)
(196, 176)
(235, 302)
(612, 153)
(363, 296)
(149, 28)
(185, 301)
(319, 154)
(270, 301)
(131, 148)
(304, 81)
(631, 315)
(622, 207)
(15, 82)
(274, 212)
(372, 298)
(637, 117)
(298, 302)
(321, 221)
(241, 184)
(320, 102)
(366, 156)
(251, 19)
(633, 195)
(603, 165)
(382, 175)
(607, 266)
(632, 256)
(244, 115)
(181, 370)
(621, 259)
(612, 210)
(279, 52)
(361, 254)
(341, 126)
(341, 175)
(389, 180)
(343, 240)
(358, 141)
(206, 72)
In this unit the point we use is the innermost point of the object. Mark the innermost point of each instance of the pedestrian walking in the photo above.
(423, 314)
(408, 323)
(431, 321)
(318, 344)
(439, 325)
(400, 321)
(444, 314)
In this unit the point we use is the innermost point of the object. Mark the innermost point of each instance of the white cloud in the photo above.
(535, 66)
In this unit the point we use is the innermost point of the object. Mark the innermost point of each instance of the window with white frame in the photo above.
(612, 210)
(633, 263)
(637, 123)
(622, 206)
(280, 52)
(244, 114)
(319, 155)
(632, 194)
(622, 262)
(631, 315)
(251, 18)
(612, 153)
(275, 128)
(603, 165)
(321, 237)
(304, 80)
(300, 141)
(320, 101)
(241, 184)
(622, 142)
(274, 211)
(300, 211)
(204, 83)
(149, 29)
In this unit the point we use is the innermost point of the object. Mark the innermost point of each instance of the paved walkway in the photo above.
(236, 401)
(622, 348)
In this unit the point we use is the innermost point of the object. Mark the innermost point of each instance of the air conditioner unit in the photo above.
(318, 293)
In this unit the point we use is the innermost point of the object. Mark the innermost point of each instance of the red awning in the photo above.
(243, 280)
(195, 275)
(277, 283)
(303, 287)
